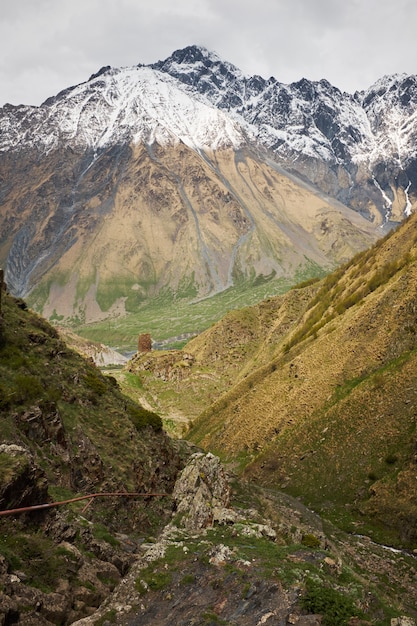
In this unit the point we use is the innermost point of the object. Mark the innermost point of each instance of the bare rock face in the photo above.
(172, 365)
(44, 424)
(202, 491)
(23, 483)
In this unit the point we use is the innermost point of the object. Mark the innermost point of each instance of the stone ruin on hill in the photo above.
(144, 342)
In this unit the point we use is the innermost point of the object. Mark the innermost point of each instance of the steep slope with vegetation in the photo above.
(314, 391)
(67, 431)
(180, 384)
(228, 552)
(332, 417)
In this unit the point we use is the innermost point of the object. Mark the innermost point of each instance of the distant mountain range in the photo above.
(185, 178)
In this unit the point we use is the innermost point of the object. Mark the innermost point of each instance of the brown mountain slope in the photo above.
(91, 238)
(180, 384)
(333, 416)
(315, 390)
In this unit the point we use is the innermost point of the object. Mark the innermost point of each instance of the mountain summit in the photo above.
(183, 179)
(137, 105)
(359, 148)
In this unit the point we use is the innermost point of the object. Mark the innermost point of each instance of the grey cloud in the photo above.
(49, 45)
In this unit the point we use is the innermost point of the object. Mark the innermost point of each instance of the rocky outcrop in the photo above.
(22, 482)
(171, 365)
(201, 499)
(228, 567)
(202, 492)
(78, 582)
(44, 424)
(66, 572)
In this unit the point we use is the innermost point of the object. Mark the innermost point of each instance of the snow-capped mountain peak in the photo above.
(358, 148)
(341, 142)
(137, 104)
(89, 201)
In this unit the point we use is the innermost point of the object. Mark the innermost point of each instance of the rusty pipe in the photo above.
(119, 494)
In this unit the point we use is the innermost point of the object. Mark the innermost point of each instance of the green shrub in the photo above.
(12, 357)
(155, 581)
(188, 579)
(310, 541)
(101, 533)
(113, 381)
(96, 384)
(4, 397)
(12, 560)
(36, 555)
(28, 387)
(336, 608)
(141, 418)
(159, 580)
(2, 332)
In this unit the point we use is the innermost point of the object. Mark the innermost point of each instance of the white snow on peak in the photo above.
(386, 82)
(135, 104)
(195, 98)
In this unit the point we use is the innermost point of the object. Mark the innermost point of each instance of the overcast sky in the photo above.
(48, 45)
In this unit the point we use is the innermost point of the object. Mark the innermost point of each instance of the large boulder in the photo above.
(201, 492)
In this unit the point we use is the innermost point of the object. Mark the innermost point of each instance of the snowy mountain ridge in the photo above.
(341, 142)
(338, 141)
(135, 104)
(285, 112)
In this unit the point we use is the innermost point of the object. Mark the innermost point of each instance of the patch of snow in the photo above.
(387, 201)
(407, 210)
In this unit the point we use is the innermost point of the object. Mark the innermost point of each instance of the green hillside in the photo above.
(313, 391)
(67, 431)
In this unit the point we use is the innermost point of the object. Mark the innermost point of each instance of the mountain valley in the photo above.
(205, 544)
(184, 180)
(313, 391)
(251, 249)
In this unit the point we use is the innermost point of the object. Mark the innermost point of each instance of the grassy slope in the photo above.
(330, 414)
(166, 317)
(89, 404)
(46, 388)
(180, 389)
(66, 430)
